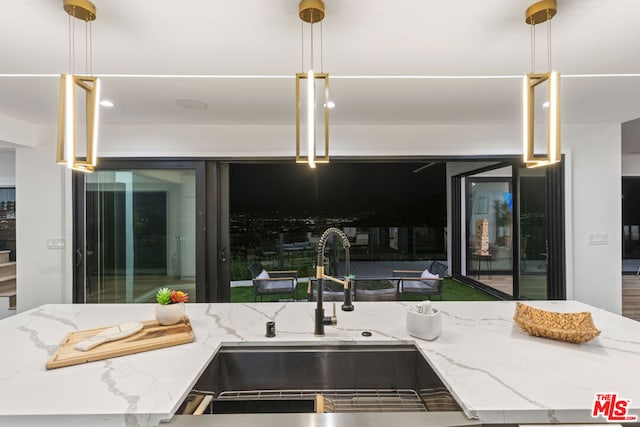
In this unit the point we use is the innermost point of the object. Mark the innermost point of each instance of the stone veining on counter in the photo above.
(489, 374)
(496, 372)
(52, 315)
(33, 335)
(219, 322)
(110, 380)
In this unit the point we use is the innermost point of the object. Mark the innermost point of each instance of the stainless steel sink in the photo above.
(326, 378)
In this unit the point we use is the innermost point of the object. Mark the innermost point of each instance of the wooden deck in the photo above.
(631, 297)
(380, 268)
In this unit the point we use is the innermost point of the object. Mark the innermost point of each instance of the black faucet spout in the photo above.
(320, 319)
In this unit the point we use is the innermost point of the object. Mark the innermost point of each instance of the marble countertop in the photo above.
(497, 373)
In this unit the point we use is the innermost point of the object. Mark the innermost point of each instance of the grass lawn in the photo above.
(452, 291)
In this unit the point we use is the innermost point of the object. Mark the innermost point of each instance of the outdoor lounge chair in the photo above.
(419, 282)
(265, 282)
(362, 289)
(376, 288)
(330, 291)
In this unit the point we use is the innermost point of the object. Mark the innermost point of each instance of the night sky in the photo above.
(379, 193)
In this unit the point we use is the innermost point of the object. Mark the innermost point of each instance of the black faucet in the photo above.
(320, 319)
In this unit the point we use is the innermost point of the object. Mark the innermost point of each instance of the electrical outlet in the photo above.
(597, 239)
(56, 243)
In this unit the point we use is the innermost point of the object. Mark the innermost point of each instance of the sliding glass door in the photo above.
(199, 225)
(508, 230)
(140, 233)
(142, 225)
(533, 234)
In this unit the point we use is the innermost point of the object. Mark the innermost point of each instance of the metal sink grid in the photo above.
(373, 400)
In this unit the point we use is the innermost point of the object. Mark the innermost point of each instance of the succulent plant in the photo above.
(179, 296)
(164, 296)
(167, 296)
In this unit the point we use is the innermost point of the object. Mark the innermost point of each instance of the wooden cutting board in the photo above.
(152, 336)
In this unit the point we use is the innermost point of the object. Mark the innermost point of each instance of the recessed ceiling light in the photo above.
(192, 104)
(330, 104)
(107, 103)
(545, 105)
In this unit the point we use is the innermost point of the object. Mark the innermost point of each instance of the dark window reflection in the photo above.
(389, 211)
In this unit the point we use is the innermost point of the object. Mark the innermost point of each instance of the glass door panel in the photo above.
(533, 232)
(140, 234)
(630, 224)
(510, 215)
(489, 228)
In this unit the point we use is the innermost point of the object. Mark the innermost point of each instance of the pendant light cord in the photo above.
(321, 50)
(86, 47)
(88, 37)
(72, 41)
(549, 39)
(311, 46)
(533, 46)
(533, 43)
(90, 48)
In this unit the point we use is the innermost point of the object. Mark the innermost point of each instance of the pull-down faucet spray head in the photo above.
(320, 319)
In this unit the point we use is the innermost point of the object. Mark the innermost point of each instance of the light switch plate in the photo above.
(56, 243)
(597, 239)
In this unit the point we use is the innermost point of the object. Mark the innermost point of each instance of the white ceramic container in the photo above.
(424, 326)
(169, 314)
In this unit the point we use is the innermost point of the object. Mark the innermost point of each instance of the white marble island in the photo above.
(497, 373)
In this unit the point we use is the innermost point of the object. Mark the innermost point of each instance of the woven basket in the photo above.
(572, 327)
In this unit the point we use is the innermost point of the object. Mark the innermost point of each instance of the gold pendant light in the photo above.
(90, 87)
(312, 101)
(542, 11)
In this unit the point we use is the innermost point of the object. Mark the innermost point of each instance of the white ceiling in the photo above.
(234, 38)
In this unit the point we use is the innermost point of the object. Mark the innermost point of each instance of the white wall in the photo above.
(596, 167)
(42, 211)
(593, 204)
(164, 140)
(631, 164)
(14, 132)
